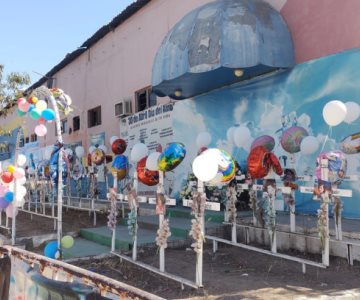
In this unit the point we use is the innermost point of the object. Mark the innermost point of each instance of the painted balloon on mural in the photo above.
(146, 176)
(334, 112)
(292, 137)
(171, 157)
(226, 166)
(351, 144)
(118, 146)
(266, 141)
(352, 112)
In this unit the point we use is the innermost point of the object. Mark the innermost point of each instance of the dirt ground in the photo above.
(234, 273)
(38, 225)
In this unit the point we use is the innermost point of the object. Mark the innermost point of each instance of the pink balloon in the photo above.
(40, 130)
(23, 105)
(3, 190)
(10, 212)
(19, 173)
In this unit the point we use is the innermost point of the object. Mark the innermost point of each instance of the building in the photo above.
(113, 69)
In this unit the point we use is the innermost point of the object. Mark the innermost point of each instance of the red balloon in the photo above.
(7, 177)
(202, 149)
(118, 146)
(146, 176)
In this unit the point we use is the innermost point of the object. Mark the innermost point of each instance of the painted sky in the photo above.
(36, 35)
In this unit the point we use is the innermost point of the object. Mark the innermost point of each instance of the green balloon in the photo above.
(20, 113)
(35, 114)
(67, 241)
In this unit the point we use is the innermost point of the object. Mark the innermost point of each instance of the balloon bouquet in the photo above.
(51, 249)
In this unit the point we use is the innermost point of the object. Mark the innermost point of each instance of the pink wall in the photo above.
(322, 27)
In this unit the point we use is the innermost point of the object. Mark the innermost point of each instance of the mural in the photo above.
(269, 106)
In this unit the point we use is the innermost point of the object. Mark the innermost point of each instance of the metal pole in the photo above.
(200, 255)
(134, 250)
(114, 230)
(161, 220)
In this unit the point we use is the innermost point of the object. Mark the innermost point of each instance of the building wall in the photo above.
(120, 63)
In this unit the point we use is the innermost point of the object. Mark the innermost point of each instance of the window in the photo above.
(94, 117)
(76, 123)
(22, 142)
(144, 99)
(64, 126)
(50, 83)
(26, 140)
(33, 137)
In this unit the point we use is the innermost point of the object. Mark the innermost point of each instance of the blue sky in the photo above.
(37, 34)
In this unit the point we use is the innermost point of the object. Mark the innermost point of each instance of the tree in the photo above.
(11, 88)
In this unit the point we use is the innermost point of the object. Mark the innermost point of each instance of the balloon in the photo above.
(20, 190)
(292, 137)
(35, 114)
(51, 249)
(103, 148)
(67, 241)
(3, 190)
(204, 168)
(351, 144)
(40, 130)
(48, 114)
(171, 157)
(20, 100)
(230, 134)
(97, 156)
(20, 113)
(21, 180)
(18, 173)
(79, 151)
(11, 169)
(31, 107)
(334, 112)
(266, 141)
(69, 152)
(23, 106)
(113, 138)
(3, 204)
(337, 166)
(242, 136)
(202, 149)
(92, 149)
(118, 146)
(138, 152)
(146, 176)
(41, 120)
(203, 139)
(21, 160)
(309, 145)
(352, 112)
(7, 177)
(225, 163)
(9, 196)
(32, 100)
(11, 211)
(41, 105)
(152, 161)
(119, 166)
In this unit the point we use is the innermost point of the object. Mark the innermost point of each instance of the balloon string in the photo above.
(326, 138)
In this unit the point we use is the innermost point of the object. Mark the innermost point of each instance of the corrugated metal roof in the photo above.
(98, 35)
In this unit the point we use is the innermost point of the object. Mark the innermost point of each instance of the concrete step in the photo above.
(83, 248)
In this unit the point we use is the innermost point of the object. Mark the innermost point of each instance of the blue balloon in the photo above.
(9, 196)
(120, 162)
(51, 249)
(31, 107)
(48, 114)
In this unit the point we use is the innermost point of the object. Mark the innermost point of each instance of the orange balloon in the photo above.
(146, 176)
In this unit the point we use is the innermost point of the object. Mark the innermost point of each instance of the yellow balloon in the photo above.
(67, 241)
(11, 169)
(41, 105)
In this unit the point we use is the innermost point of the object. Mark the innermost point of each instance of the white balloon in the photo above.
(309, 145)
(113, 138)
(21, 160)
(152, 161)
(334, 112)
(103, 148)
(353, 112)
(68, 152)
(138, 152)
(21, 180)
(20, 190)
(91, 149)
(79, 151)
(205, 169)
(242, 136)
(203, 139)
(19, 203)
(230, 134)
